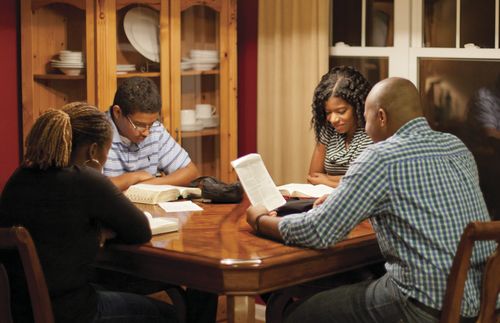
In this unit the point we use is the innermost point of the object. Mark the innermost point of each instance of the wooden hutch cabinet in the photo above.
(80, 50)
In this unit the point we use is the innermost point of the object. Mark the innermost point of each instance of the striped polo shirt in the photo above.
(337, 156)
(420, 188)
(158, 152)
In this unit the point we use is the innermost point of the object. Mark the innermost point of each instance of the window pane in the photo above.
(439, 23)
(463, 97)
(379, 23)
(373, 69)
(477, 23)
(346, 22)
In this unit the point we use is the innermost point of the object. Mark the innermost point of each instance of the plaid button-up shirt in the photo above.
(420, 188)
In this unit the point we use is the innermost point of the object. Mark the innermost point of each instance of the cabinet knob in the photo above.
(101, 10)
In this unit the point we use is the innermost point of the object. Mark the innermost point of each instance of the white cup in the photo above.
(205, 111)
(188, 116)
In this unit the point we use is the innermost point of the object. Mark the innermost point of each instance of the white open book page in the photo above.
(181, 206)
(160, 225)
(257, 182)
(305, 190)
(153, 194)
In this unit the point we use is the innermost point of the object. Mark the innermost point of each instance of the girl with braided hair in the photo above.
(62, 200)
(338, 122)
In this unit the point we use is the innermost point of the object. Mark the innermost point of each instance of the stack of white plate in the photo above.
(125, 68)
(204, 60)
(70, 63)
(186, 63)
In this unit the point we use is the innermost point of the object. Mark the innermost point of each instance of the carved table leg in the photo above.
(240, 309)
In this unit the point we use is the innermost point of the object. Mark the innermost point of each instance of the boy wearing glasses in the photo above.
(142, 147)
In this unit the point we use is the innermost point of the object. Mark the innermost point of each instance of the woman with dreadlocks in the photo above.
(338, 122)
(62, 200)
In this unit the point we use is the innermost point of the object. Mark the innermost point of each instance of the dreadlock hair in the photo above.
(57, 133)
(138, 94)
(344, 82)
(88, 124)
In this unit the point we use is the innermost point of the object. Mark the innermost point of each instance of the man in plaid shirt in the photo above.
(420, 189)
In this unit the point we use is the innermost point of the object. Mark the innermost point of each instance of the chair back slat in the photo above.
(491, 288)
(475, 231)
(18, 238)
(5, 315)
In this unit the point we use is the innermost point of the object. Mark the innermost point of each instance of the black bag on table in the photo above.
(215, 191)
(295, 205)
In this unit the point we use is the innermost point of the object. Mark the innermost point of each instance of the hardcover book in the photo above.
(161, 225)
(154, 194)
(257, 182)
(305, 190)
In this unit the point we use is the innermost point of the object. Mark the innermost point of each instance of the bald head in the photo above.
(391, 103)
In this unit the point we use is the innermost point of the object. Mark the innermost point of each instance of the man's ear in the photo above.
(117, 112)
(382, 117)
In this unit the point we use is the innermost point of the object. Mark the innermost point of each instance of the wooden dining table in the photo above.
(215, 250)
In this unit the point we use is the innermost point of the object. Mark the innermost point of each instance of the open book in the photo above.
(162, 225)
(153, 194)
(257, 182)
(305, 190)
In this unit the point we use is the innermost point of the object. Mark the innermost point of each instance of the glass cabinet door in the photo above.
(201, 107)
(142, 45)
(56, 55)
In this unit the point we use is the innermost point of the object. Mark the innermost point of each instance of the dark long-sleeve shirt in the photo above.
(64, 209)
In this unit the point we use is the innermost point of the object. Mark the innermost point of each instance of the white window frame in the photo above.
(404, 56)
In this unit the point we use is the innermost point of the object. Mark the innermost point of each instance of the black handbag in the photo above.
(215, 191)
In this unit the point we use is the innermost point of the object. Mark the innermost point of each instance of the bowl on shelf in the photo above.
(72, 71)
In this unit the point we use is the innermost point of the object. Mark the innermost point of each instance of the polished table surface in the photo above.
(215, 250)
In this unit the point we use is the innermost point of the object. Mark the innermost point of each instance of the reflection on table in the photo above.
(215, 250)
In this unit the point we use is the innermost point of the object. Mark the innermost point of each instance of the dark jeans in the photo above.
(201, 307)
(131, 308)
(378, 301)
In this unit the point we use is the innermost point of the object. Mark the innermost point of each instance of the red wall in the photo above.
(9, 118)
(247, 76)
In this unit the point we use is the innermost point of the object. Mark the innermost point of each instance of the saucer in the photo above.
(210, 122)
(192, 126)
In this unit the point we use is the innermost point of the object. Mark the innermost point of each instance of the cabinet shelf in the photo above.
(141, 74)
(58, 77)
(194, 72)
(201, 133)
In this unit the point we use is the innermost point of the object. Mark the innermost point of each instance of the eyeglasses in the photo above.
(141, 128)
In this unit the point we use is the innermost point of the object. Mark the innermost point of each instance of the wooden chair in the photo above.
(475, 231)
(5, 315)
(18, 238)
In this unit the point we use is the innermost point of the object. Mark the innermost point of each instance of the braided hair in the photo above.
(57, 133)
(344, 82)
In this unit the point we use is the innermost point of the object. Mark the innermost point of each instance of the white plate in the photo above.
(192, 127)
(196, 60)
(203, 67)
(141, 26)
(203, 53)
(209, 122)
(69, 65)
(125, 68)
